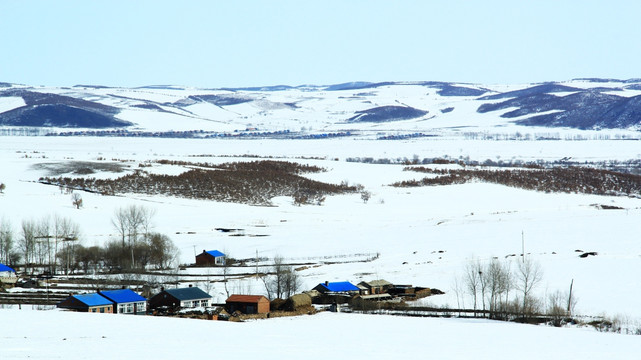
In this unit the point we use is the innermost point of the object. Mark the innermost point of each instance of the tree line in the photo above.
(568, 180)
(53, 244)
(506, 291)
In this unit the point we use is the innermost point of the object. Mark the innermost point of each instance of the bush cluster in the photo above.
(568, 180)
(253, 183)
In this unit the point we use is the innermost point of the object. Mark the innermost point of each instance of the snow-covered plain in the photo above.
(58, 335)
(425, 236)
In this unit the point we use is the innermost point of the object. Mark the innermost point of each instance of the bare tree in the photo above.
(2, 187)
(163, 252)
(365, 196)
(133, 224)
(498, 280)
(472, 280)
(27, 241)
(529, 275)
(285, 281)
(76, 200)
(6, 240)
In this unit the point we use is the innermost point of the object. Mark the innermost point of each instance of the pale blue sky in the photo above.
(250, 43)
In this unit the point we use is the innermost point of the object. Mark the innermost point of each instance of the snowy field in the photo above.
(62, 335)
(425, 237)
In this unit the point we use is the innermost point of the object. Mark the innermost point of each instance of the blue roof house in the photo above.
(125, 301)
(190, 297)
(341, 287)
(87, 303)
(7, 275)
(211, 257)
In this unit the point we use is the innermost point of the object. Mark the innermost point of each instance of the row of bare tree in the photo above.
(53, 244)
(504, 292)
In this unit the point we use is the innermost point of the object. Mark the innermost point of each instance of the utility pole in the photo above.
(257, 263)
(570, 299)
(523, 245)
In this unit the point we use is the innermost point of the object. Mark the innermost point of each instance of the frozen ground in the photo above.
(425, 236)
(62, 335)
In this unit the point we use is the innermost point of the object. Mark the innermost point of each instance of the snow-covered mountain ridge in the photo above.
(358, 109)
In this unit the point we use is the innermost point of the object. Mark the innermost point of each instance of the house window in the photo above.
(102, 310)
(204, 303)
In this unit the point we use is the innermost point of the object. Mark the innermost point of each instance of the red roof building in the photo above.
(248, 304)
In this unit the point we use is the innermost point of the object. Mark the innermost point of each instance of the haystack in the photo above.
(297, 301)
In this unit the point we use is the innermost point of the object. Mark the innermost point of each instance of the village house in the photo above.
(126, 301)
(375, 286)
(87, 303)
(7, 275)
(211, 257)
(191, 297)
(341, 287)
(248, 304)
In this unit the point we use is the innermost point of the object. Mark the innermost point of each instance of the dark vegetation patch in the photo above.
(445, 89)
(254, 183)
(387, 113)
(149, 106)
(447, 109)
(607, 207)
(220, 100)
(451, 90)
(52, 110)
(534, 90)
(567, 180)
(79, 167)
(589, 253)
(91, 86)
(585, 109)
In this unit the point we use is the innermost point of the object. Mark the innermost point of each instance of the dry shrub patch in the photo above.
(253, 183)
(568, 180)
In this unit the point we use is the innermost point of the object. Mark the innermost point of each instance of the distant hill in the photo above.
(387, 110)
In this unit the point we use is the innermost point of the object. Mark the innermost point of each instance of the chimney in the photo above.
(162, 288)
(190, 285)
(326, 283)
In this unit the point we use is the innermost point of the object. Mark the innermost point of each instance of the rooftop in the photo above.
(190, 293)
(341, 286)
(4, 267)
(122, 296)
(214, 253)
(92, 299)
(246, 298)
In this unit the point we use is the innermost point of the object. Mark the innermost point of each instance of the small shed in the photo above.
(340, 287)
(190, 297)
(211, 257)
(376, 286)
(87, 303)
(7, 275)
(248, 304)
(126, 301)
